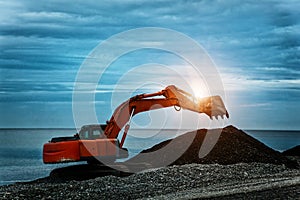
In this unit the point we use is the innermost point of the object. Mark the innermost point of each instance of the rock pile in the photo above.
(233, 146)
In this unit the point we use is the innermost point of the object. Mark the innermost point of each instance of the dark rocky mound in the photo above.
(233, 146)
(295, 151)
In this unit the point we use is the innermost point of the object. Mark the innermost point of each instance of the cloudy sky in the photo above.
(254, 44)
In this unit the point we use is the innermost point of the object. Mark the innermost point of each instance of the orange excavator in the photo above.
(100, 141)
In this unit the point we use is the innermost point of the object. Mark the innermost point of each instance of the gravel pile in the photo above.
(185, 181)
(233, 146)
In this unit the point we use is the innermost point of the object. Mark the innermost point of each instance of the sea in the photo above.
(21, 149)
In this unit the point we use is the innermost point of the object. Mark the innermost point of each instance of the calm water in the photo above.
(21, 149)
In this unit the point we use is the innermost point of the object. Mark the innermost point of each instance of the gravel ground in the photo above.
(238, 167)
(191, 181)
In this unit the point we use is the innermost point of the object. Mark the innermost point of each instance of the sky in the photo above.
(254, 45)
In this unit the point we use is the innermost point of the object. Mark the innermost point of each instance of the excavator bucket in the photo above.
(213, 106)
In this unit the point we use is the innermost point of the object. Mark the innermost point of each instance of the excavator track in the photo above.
(90, 171)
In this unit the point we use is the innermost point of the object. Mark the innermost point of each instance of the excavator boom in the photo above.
(171, 96)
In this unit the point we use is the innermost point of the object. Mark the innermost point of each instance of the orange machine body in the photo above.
(79, 150)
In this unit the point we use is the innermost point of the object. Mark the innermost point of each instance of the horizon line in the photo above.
(74, 128)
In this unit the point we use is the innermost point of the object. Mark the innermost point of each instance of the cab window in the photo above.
(84, 134)
(96, 132)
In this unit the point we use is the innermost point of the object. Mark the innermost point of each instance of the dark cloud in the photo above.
(42, 44)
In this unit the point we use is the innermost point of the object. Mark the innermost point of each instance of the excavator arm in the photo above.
(171, 96)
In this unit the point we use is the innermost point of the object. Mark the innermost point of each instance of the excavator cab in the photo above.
(92, 132)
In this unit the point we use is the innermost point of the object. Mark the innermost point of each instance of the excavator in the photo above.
(101, 141)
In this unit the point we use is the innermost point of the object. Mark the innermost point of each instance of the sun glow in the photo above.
(197, 93)
(199, 88)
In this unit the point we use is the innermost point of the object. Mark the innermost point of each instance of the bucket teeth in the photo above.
(215, 107)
